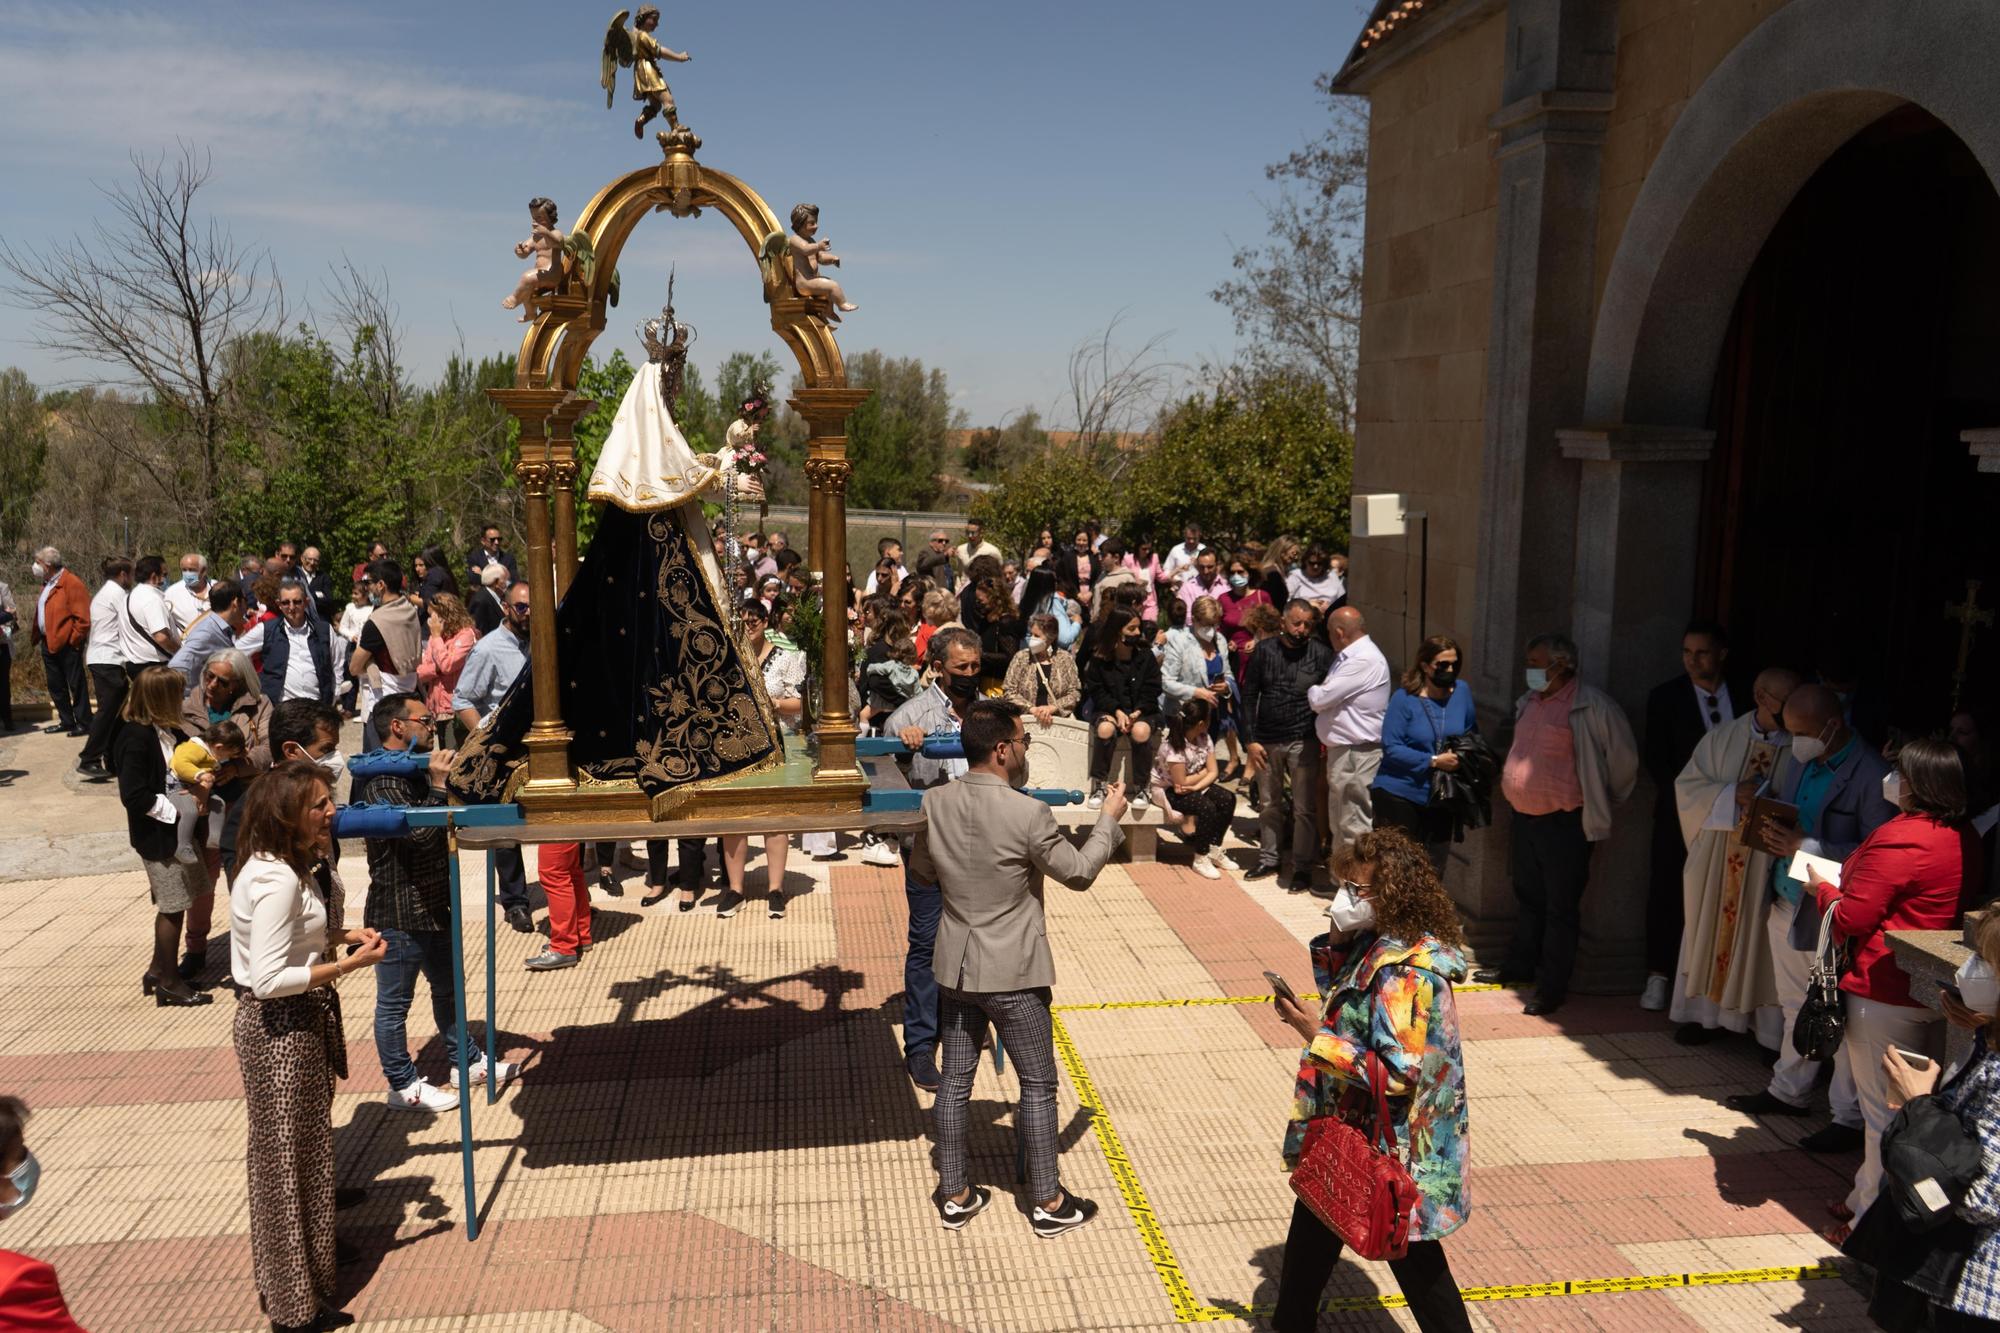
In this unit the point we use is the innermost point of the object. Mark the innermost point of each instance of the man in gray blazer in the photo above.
(1834, 776)
(992, 844)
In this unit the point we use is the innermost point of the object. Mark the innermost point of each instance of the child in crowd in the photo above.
(221, 744)
(891, 674)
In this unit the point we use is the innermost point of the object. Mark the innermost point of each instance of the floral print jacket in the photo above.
(1395, 999)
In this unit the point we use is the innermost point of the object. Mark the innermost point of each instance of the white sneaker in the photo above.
(1655, 997)
(1205, 868)
(478, 1073)
(1096, 799)
(422, 1096)
(1215, 858)
(1141, 798)
(875, 852)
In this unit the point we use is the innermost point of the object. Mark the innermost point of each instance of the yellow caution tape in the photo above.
(1196, 1001)
(1180, 1292)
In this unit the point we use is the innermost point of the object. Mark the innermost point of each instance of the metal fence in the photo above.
(865, 527)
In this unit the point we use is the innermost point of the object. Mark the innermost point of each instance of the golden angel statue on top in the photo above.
(639, 50)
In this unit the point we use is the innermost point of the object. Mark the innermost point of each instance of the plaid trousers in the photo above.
(1022, 1017)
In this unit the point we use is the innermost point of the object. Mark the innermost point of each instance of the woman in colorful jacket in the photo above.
(1386, 969)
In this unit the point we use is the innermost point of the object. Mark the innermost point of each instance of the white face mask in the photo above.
(1206, 633)
(1977, 985)
(39, 570)
(1892, 788)
(24, 1178)
(1805, 749)
(1538, 679)
(1036, 645)
(1350, 912)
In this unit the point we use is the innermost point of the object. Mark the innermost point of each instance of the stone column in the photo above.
(562, 485)
(1556, 100)
(548, 739)
(1638, 520)
(826, 412)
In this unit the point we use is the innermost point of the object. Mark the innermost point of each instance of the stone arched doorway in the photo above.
(1841, 511)
(1795, 91)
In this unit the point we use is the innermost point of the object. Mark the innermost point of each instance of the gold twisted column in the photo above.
(548, 739)
(562, 486)
(826, 412)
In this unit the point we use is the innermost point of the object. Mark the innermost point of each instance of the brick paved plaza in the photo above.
(713, 1129)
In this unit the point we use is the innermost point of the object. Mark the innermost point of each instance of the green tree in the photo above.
(24, 446)
(1058, 489)
(1257, 457)
(994, 451)
(605, 386)
(899, 439)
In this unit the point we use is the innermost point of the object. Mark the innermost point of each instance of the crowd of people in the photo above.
(1789, 829)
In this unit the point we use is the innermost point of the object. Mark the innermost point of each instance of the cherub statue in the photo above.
(807, 256)
(546, 245)
(640, 50)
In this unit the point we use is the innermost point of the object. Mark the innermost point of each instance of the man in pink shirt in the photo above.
(1573, 759)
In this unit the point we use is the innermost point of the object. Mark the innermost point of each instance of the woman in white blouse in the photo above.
(784, 671)
(287, 919)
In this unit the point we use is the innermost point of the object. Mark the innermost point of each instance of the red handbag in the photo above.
(1356, 1185)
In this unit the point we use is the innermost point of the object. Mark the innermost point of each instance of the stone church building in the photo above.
(1677, 308)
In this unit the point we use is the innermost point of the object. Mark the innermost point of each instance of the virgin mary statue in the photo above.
(653, 685)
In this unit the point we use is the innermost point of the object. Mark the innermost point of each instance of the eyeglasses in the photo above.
(422, 721)
(521, 607)
(1358, 890)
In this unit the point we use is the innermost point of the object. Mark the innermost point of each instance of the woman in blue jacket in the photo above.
(1433, 706)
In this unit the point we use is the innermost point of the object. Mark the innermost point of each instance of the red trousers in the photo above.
(560, 866)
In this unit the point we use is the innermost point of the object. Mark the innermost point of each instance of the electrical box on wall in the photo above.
(1379, 515)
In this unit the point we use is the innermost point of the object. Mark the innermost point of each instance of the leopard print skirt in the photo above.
(291, 1049)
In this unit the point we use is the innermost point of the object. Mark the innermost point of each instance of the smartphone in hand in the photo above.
(1920, 1063)
(1281, 987)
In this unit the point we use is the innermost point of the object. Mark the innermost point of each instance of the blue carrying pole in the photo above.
(492, 1068)
(463, 1044)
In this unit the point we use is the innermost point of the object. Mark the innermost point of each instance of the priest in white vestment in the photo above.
(1724, 979)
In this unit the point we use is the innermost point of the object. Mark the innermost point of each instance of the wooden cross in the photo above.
(1970, 618)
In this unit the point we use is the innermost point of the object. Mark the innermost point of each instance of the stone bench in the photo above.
(1142, 828)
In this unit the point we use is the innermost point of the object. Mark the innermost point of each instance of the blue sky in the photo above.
(1001, 180)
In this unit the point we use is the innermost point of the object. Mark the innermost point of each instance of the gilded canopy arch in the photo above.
(543, 401)
(553, 349)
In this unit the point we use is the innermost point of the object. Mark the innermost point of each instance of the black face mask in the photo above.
(961, 689)
(1296, 640)
(1445, 674)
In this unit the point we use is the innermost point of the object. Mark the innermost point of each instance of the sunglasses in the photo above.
(521, 607)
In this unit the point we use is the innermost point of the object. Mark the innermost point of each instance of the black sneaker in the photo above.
(726, 905)
(1073, 1213)
(955, 1215)
(923, 1070)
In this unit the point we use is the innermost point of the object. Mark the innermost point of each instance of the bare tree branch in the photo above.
(1114, 392)
(159, 294)
(1296, 297)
